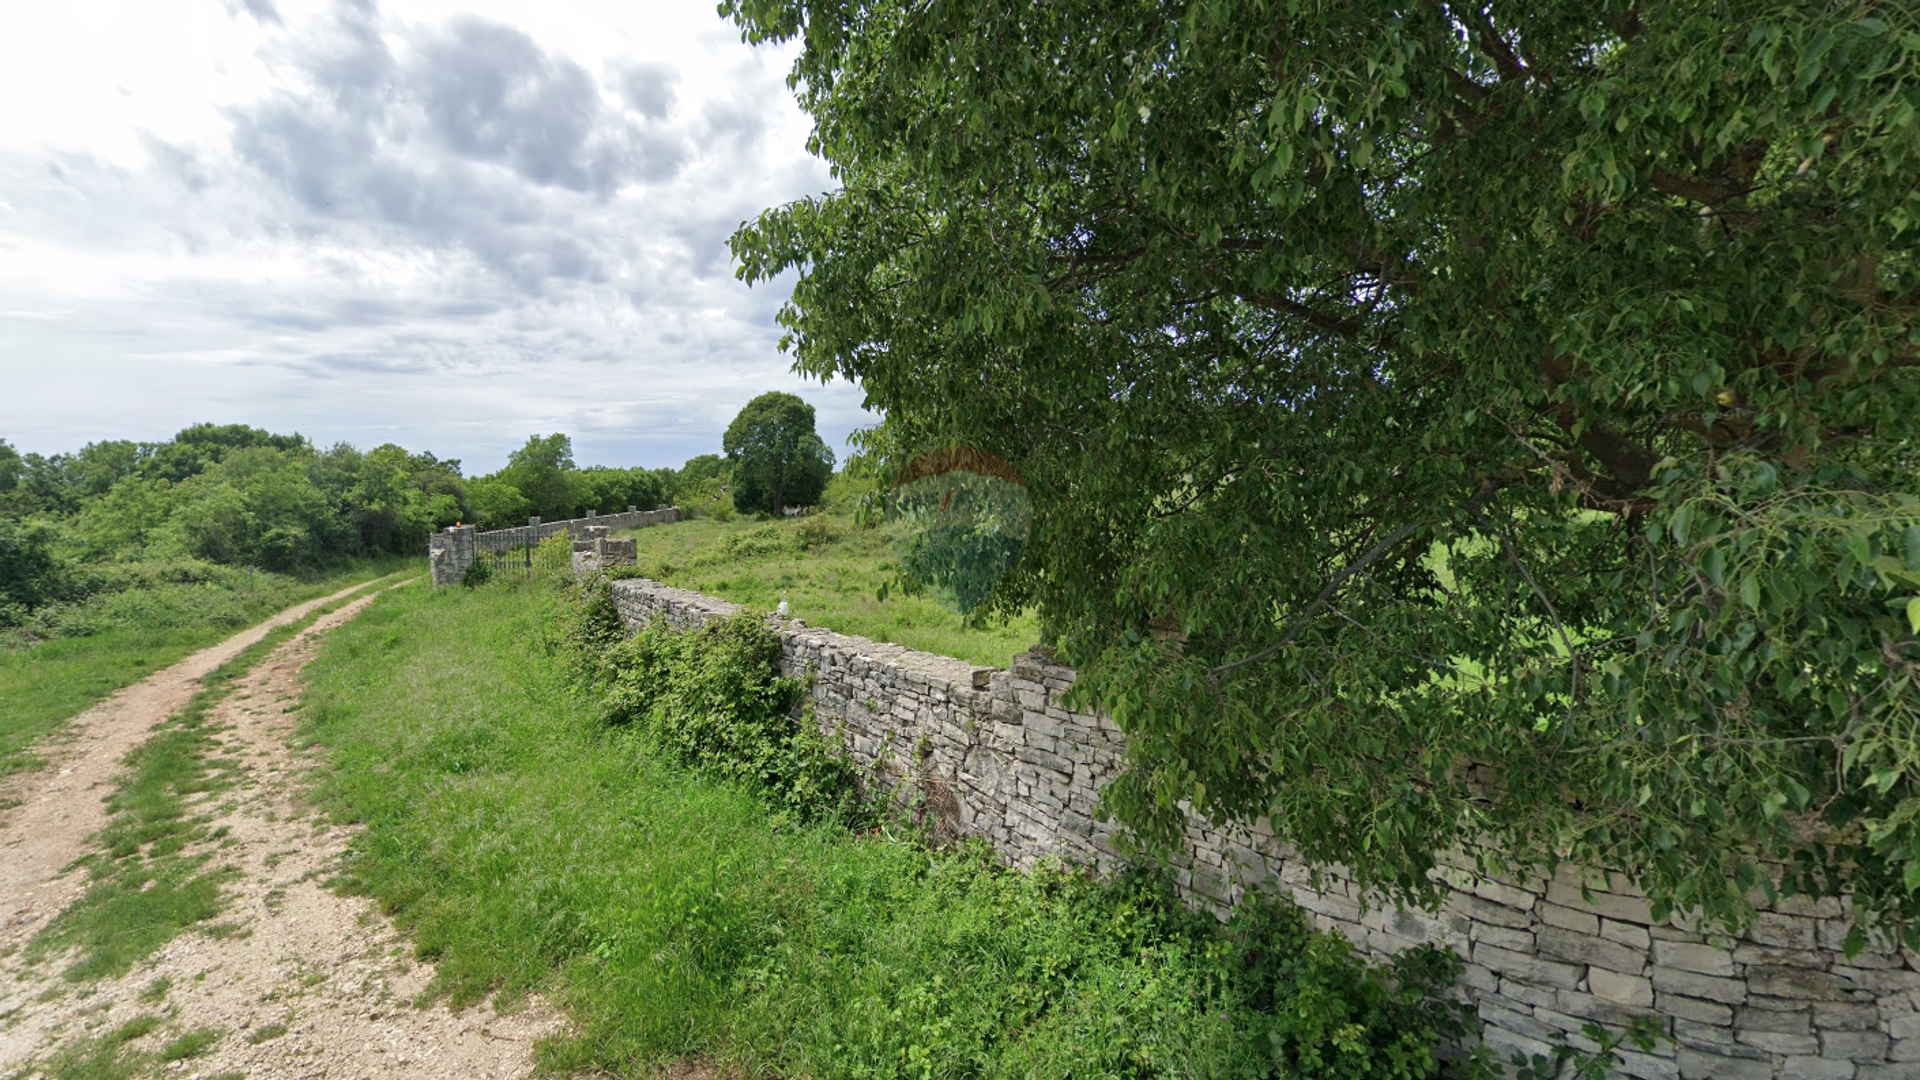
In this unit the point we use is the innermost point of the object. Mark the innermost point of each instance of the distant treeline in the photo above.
(240, 496)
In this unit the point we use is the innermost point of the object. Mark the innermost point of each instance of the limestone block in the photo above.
(1528, 969)
(1686, 1033)
(1792, 982)
(1486, 911)
(1846, 1016)
(1581, 922)
(1813, 1068)
(1697, 1010)
(1580, 949)
(1694, 984)
(1610, 905)
(1504, 937)
(1626, 934)
(1783, 931)
(1590, 1007)
(1854, 1045)
(1612, 986)
(1512, 991)
(1646, 1066)
(1705, 959)
(1505, 1044)
(1518, 1022)
(1774, 1042)
(1571, 1028)
(1747, 955)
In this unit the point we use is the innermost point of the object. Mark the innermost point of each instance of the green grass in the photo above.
(526, 847)
(102, 1057)
(266, 1033)
(191, 1044)
(130, 634)
(829, 571)
(146, 885)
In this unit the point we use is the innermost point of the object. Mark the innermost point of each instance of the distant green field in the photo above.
(829, 571)
(129, 635)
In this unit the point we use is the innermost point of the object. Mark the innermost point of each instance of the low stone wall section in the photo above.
(536, 530)
(991, 752)
(451, 551)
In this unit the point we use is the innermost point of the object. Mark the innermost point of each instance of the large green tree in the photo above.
(1448, 425)
(543, 471)
(777, 458)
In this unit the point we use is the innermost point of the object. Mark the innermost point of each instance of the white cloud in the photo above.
(450, 226)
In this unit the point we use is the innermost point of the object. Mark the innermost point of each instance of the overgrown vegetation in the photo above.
(678, 919)
(713, 699)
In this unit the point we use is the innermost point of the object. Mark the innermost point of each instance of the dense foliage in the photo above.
(541, 478)
(1446, 426)
(78, 527)
(961, 533)
(713, 699)
(776, 457)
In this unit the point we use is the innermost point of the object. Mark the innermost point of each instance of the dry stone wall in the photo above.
(992, 752)
(455, 548)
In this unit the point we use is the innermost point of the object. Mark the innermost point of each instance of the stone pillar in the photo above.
(534, 521)
(450, 553)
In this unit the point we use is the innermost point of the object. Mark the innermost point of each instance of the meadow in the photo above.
(830, 570)
(528, 845)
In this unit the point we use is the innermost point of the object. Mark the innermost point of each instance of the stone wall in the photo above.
(991, 752)
(449, 553)
(452, 550)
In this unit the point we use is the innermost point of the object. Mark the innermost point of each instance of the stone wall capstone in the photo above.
(991, 752)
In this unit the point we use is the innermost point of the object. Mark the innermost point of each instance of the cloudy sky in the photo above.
(444, 223)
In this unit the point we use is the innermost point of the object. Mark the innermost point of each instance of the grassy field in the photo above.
(829, 571)
(131, 634)
(528, 847)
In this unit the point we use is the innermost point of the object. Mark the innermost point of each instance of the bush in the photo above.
(713, 699)
(478, 573)
(29, 571)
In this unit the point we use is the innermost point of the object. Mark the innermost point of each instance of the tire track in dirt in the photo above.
(302, 981)
(60, 805)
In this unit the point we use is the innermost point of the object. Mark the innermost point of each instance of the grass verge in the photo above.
(526, 846)
(155, 874)
(829, 571)
(135, 633)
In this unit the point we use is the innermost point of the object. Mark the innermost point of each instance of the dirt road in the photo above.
(299, 981)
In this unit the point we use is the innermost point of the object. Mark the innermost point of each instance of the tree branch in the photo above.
(1320, 601)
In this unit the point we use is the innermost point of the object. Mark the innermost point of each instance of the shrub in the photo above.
(29, 570)
(713, 699)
